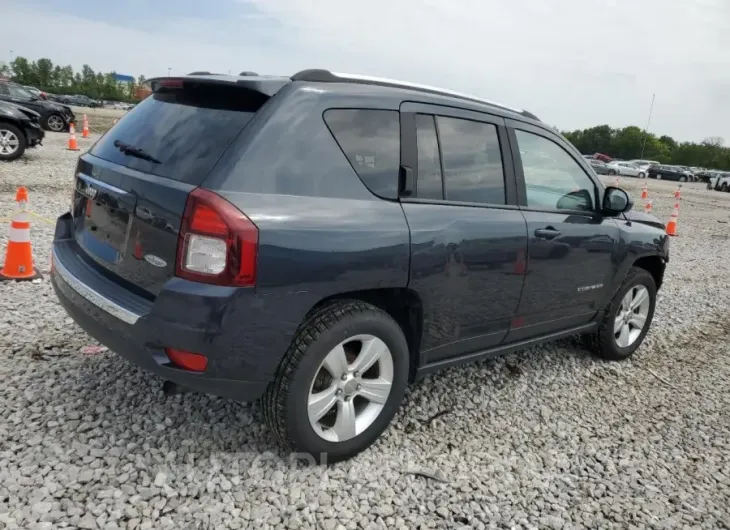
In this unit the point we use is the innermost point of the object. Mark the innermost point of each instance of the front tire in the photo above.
(340, 383)
(682, 179)
(55, 123)
(642, 175)
(724, 187)
(627, 318)
(12, 142)
(611, 172)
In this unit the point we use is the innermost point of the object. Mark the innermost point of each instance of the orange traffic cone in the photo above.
(19, 254)
(72, 143)
(678, 194)
(617, 183)
(85, 130)
(647, 206)
(672, 224)
(645, 192)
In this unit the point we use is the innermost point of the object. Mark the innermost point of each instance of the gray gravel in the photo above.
(547, 438)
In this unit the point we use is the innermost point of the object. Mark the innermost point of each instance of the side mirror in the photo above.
(616, 201)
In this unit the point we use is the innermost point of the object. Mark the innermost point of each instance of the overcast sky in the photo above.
(574, 63)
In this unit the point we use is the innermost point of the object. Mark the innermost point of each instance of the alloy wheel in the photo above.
(9, 142)
(55, 123)
(631, 316)
(350, 388)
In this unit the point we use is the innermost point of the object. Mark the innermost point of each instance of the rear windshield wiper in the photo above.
(135, 152)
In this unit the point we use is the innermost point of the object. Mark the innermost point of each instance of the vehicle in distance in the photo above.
(628, 169)
(53, 116)
(322, 240)
(706, 175)
(601, 168)
(36, 92)
(79, 100)
(719, 182)
(668, 173)
(687, 171)
(19, 129)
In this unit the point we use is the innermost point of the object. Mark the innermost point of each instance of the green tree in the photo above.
(668, 141)
(44, 74)
(22, 71)
(629, 142)
(59, 79)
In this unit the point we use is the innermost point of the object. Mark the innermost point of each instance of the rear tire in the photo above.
(307, 371)
(642, 175)
(611, 341)
(611, 172)
(12, 142)
(682, 179)
(724, 187)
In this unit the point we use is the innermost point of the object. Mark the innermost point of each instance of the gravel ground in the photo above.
(100, 119)
(547, 438)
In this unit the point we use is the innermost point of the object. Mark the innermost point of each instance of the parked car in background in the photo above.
(20, 128)
(118, 105)
(644, 165)
(628, 169)
(602, 157)
(36, 92)
(668, 173)
(54, 116)
(687, 171)
(80, 101)
(234, 282)
(720, 182)
(706, 175)
(599, 167)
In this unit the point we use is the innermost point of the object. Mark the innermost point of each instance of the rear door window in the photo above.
(370, 139)
(472, 161)
(185, 130)
(430, 183)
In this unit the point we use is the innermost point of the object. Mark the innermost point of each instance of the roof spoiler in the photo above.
(265, 86)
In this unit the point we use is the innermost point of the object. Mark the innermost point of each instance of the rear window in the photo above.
(371, 141)
(185, 130)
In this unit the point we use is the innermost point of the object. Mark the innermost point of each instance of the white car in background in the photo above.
(628, 169)
(720, 182)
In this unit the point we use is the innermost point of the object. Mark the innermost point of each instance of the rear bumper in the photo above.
(242, 357)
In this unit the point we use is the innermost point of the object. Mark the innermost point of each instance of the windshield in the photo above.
(20, 92)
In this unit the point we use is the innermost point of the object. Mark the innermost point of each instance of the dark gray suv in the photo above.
(322, 240)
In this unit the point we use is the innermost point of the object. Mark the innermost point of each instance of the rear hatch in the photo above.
(131, 188)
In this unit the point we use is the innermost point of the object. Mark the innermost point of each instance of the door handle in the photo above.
(547, 233)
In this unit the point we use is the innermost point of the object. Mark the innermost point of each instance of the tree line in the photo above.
(626, 143)
(629, 142)
(57, 79)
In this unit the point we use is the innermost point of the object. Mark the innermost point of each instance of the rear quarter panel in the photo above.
(321, 231)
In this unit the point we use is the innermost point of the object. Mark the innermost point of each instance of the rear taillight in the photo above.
(186, 360)
(218, 244)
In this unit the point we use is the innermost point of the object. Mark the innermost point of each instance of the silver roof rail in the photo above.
(325, 76)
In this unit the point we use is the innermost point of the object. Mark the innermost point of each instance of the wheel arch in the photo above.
(655, 266)
(402, 304)
(14, 123)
